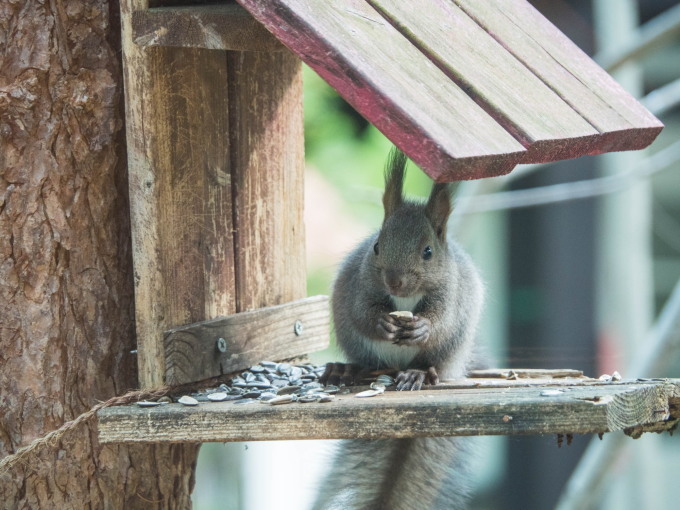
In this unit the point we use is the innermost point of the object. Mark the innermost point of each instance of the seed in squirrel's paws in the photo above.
(402, 316)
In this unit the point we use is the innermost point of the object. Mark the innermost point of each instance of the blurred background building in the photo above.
(580, 257)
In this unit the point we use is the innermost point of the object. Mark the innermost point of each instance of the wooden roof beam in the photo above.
(213, 27)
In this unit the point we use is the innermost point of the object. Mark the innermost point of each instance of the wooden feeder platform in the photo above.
(498, 402)
(216, 162)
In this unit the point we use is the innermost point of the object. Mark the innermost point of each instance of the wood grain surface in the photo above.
(391, 83)
(536, 407)
(216, 158)
(180, 195)
(214, 27)
(440, 77)
(191, 352)
(493, 77)
(623, 122)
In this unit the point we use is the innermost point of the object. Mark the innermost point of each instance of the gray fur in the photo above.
(451, 288)
(446, 293)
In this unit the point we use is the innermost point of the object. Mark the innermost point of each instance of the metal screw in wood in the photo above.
(221, 344)
(298, 328)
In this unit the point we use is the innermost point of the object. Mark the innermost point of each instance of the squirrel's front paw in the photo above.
(415, 331)
(413, 379)
(388, 327)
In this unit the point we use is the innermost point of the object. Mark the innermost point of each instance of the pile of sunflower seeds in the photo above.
(274, 383)
(267, 382)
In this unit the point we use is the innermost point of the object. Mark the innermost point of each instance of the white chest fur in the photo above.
(391, 355)
(403, 304)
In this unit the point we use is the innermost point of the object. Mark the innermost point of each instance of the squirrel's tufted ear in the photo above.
(438, 209)
(394, 181)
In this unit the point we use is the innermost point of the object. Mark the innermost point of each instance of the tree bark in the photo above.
(66, 289)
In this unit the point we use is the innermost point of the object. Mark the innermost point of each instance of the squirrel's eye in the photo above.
(375, 248)
(427, 253)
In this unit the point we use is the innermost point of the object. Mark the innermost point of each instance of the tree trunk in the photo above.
(66, 289)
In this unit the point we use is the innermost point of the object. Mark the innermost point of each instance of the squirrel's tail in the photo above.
(398, 474)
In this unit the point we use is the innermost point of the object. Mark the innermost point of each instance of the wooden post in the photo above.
(267, 161)
(180, 199)
(216, 168)
(215, 152)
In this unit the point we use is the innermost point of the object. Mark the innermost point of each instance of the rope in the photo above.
(52, 439)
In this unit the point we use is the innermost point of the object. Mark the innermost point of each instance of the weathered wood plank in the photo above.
(221, 346)
(180, 196)
(192, 174)
(524, 373)
(547, 126)
(389, 81)
(267, 161)
(168, 471)
(583, 408)
(216, 211)
(215, 27)
(623, 122)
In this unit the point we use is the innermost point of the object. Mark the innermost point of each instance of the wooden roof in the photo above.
(467, 89)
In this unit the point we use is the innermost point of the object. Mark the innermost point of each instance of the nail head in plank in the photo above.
(393, 85)
(625, 124)
(214, 27)
(221, 346)
(577, 409)
(513, 95)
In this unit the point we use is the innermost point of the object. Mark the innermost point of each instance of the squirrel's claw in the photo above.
(413, 379)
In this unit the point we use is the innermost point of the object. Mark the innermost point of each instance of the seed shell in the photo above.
(188, 401)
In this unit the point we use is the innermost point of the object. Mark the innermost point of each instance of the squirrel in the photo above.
(408, 265)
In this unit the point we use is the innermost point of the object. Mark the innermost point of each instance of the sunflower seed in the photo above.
(402, 316)
(244, 401)
(147, 403)
(284, 368)
(369, 393)
(287, 390)
(188, 401)
(385, 380)
(311, 397)
(283, 399)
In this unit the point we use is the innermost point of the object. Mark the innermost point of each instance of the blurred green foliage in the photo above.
(348, 151)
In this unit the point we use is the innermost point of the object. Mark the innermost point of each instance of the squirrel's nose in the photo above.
(393, 280)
